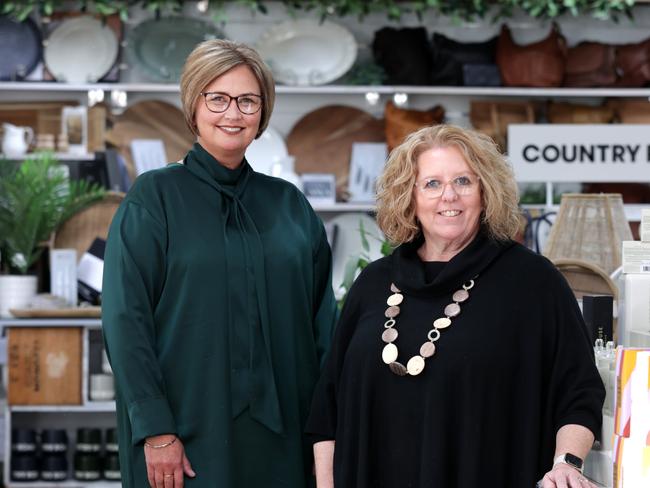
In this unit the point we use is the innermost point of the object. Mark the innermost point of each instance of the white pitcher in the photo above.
(16, 140)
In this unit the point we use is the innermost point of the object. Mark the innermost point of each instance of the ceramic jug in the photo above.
(16, 140)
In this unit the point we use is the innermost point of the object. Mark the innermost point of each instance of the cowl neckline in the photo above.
(202, 164)
(408, 270)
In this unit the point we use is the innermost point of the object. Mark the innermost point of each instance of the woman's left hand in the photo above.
(564, 476)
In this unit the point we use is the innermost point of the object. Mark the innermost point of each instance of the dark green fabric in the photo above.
(217, 312)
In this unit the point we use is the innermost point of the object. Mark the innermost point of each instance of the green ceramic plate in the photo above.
(159, 47)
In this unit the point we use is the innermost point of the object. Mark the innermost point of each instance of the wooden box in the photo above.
(44, 365)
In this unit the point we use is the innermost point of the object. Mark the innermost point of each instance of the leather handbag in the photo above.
(633, 64)
(404, 55)
(540, 64)
(632, 111)
(569, 113)
(493, 118)
(400, 122)
(452, 60)
(591, 64)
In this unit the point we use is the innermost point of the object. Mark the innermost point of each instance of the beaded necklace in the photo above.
(415, 365)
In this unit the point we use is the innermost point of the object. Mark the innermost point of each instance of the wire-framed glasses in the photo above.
(218, 102)
(462, 185)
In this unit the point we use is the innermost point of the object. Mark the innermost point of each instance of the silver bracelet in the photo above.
(160, 446)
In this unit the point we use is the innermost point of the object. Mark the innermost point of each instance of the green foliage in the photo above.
(356, 264)
(394, 9)
(36, 197)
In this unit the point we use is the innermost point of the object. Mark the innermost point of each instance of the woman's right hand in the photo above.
(166, 465)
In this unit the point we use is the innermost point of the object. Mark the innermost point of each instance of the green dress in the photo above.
(217, 312)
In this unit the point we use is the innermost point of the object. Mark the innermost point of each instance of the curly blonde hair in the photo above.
(211, 59)
(499, 193)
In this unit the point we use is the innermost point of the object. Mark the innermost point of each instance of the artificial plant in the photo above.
(36, 197)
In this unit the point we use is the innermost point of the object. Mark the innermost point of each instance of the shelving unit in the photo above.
(88, 413)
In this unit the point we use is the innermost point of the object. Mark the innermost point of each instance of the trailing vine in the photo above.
(394, 9)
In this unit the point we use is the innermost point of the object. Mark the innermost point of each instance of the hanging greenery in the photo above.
(394, 9)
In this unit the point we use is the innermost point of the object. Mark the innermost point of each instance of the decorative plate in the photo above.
(307, 52)
(264, 152)
(160, 47)
(20, 48)
(80, 50)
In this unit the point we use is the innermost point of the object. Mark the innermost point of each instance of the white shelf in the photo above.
(93, 323)
(342, 89)
(65, 484)
(345, 207)
(632, 210)
(90, 407)
(58, 155)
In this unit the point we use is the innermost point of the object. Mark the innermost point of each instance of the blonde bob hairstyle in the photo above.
(211, 59)
(499, 194)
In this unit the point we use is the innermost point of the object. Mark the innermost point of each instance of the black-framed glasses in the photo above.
(218, 102)
(462, 185)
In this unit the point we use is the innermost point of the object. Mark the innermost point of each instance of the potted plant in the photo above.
(35, 198)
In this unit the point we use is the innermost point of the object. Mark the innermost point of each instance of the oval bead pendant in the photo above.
(415, 365)
(389, 354)
(395, 299)
(394, 289)
(452, 310)
(442, 323)
(389, 335)
(392, 312)
(460, 296)
(427, 349)
(397, 368)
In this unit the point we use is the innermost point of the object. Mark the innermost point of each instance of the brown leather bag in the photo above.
(569, 113)
(633, 64)
(400, 122)
(493, 118)
(540, 64)
(591, 64)
(630, 111)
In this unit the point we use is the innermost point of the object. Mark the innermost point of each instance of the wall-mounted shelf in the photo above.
(343, 89)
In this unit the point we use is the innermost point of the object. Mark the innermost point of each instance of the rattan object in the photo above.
(80, 230)
(591, 228)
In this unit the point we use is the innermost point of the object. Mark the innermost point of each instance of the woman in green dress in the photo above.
(217, 301)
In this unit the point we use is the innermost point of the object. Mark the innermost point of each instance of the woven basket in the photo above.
(80, 230)
(590, 227)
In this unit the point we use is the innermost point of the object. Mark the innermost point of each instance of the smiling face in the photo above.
(227, 135)
(450, 221)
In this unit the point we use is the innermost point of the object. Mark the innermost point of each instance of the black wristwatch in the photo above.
(570, 459)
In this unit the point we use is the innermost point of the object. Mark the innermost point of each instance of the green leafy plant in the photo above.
(357, 263)
(394, 9)
(36, 197)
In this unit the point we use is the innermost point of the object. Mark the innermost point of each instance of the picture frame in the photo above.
(74, 124)
(319, 188)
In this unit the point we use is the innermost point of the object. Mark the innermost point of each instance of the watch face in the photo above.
(573, 460)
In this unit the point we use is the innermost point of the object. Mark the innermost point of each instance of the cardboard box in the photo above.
(44, 365)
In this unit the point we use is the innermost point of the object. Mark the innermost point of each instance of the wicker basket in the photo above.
(80, 230)
(591, 228)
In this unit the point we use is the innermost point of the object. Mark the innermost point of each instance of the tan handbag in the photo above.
(493, 118)
(568, 113)
(633, 111)
(540, 64)
(400, 122)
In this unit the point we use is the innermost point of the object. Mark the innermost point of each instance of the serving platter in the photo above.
(307, 52)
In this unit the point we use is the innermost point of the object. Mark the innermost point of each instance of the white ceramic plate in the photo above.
(307, 52)
(266, 151)
(347, 243)
(80, 50)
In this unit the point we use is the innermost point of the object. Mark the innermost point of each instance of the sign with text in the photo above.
(579, 152)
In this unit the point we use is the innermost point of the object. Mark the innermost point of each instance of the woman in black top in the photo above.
(461, 360)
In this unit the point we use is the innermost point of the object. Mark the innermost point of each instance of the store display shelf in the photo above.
(496, 91)
(64, 484)
(58, 155)
(87, 407)
(345, 207)
(632, 210)
(13, 322)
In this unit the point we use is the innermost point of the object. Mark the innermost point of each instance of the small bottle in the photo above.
(610, 354)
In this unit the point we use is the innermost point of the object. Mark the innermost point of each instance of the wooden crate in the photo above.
(44, 365)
